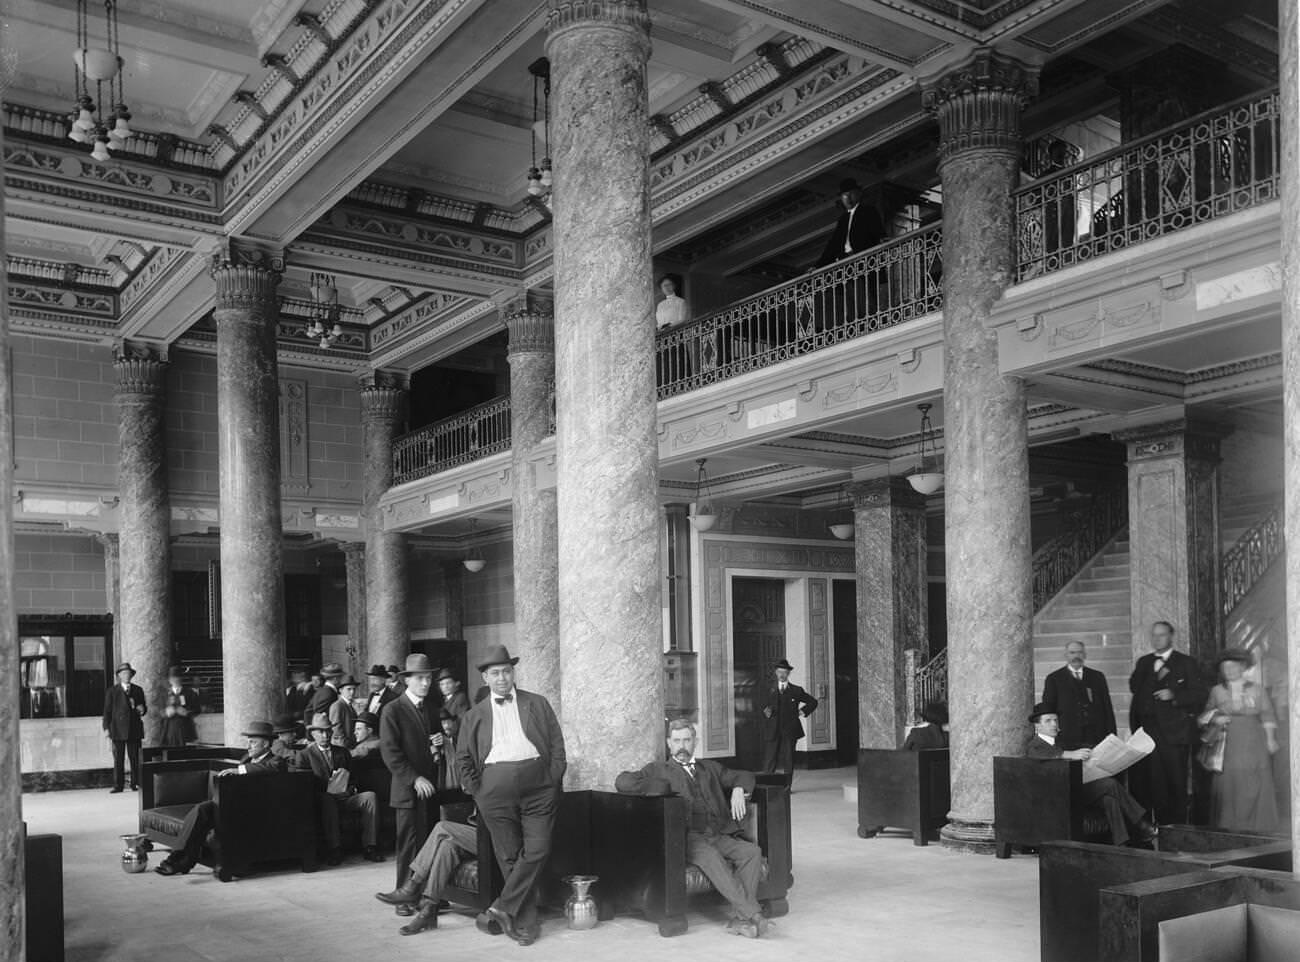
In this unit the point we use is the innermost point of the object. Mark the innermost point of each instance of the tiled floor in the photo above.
(882, 900)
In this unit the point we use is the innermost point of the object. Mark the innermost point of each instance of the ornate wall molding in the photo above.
(295, 462)
(1173, 439)
(978, 104)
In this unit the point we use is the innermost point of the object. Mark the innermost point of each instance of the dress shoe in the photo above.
(404, 908)
(408, 894)
(115, 791)
(487, 924)
(528, 934)
(371, 854)
(1147, 830)
(174, 866)
(425, 918)
(507, 925)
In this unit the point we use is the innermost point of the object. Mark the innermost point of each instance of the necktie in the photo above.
(419, 703)
(504, 698)
(1078, 673)
(690, 768)
(783, 686)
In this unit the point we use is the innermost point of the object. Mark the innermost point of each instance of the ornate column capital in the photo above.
(530, 319)
(246, 276)
(890, 492)
(632, 15)
(140, 370)
(382, 403)
(978, 103)
(1173, 439)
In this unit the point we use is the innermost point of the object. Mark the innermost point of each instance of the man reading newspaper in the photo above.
(1125, 816)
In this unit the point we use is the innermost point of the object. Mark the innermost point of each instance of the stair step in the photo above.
(1056, 625)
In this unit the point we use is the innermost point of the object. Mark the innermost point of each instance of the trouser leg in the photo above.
(517, 804)
(329, 820)
(413, 827)
(455, 842)
(746, 860)
(133, 753)
(771, 750)
(194, 832)
(704, 854)
(119, 754)
(364, 803)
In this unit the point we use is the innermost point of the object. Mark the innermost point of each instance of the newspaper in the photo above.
(1112, 756)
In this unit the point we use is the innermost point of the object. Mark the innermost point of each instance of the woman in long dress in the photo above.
(1242, 796)
(180, 706)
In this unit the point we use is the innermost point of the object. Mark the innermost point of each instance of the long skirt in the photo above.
(1242, 796)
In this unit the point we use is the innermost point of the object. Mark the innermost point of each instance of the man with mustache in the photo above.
(1080, 698)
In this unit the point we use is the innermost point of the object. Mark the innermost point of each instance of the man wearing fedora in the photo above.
(202, 818)
(326, 694)
(511, 759)
(365, 733)
(858, 228)
(453, 699)
(406, 729)
(783, 708)
(180, 706)
(342, 715)
(284, 728)
(332, 766)
(123, 710)
(378, 694)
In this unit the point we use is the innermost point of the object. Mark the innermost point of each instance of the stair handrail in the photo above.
(1088, 530)
(930, 682)
(1249, 558)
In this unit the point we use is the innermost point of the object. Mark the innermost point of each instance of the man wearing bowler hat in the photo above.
(858, 227)
(453, 699)
(784, 707)
(123, 710)
(378, 693)
(511, 759)
(406, 730)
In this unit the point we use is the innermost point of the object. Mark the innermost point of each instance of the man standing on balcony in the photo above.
(858, 228)
(1167, 694)
(1080, 698)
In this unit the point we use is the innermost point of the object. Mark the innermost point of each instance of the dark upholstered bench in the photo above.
(1037, 800)
(180, 753)
(43, 896)
(903, 789)
(260, 818)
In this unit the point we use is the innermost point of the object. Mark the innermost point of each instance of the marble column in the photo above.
(12, 905)
(890, 560)
(383, 412)
(1173, 510)
(1289, 70)
(354, 563)
(536, 553)
(986, 491)
(607, 451)
(143, 622)
(113, 586)
(248, 438)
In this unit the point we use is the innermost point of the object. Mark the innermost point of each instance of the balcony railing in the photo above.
(1246, 561)
(1216, 164)
(468, 436)
(880, 288)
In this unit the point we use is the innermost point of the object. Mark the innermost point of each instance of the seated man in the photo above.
(286, 744)
(366, 734)
(202, 818)
(332, 766)
(713, 842)
(449, 844)
(1122, 810)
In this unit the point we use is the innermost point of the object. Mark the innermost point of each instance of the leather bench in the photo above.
(903, 789)
(1038, 800)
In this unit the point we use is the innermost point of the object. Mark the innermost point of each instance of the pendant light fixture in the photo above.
(473, 561)
(324, 324)
(701, 514)
(96, 120)
(540, 175)
(928, 476)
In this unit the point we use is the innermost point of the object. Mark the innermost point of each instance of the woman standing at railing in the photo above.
(1239, 740)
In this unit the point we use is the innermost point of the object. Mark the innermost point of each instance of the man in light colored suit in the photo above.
(511, 759)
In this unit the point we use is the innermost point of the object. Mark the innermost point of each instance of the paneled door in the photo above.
(758, 640)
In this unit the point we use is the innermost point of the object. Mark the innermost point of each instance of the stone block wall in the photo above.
(56, 573)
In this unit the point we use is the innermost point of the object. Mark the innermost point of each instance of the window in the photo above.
(64, 666)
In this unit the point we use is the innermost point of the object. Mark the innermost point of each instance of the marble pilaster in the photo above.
(1173, 499)
(112, 585)
(607, 452)
(354, 564)
(248, 437)
(383, 411)
(986, 491)
(536, 553)
(12, 903)
(143, 619)
(1289, 82)
(890, 561)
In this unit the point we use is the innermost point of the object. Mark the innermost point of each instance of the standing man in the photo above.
(784, 707)
(123, 710)
(1080, 698)
(453, 699)
(858, 227)
(342, 715)
(298, 693)
(326, 695)
(1167, 695)
(512, 761)
(378, 693)
(406, 729)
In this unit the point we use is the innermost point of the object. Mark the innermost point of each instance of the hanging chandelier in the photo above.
(101, 120)
(540, 176)
(324, 324)
(474, 561)
(928, 476)
(701, 514)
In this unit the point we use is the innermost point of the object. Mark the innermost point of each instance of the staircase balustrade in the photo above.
(470, 435)
(1246, 561)
(930, 683)
(1087, 532)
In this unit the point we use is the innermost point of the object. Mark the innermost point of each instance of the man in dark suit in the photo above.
(123, 710)
(406, 727)
(511, 759)
(326, 761)
(378, 694)
(298, 693)
(326, 694)
(1124, 814)
(1080, 698)
(858, 228)
(453, 699)
(1167, 695)
(202, 818)
(713, 842)
(783, 706)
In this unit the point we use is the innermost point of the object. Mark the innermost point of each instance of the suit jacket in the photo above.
(1171, 722)
(457, 704)
(295, 700)
(343, 718)
(310, 759)
(1037, 748)
(709, 792)
(385, 694)
(404, 732)
(867, 231)
(926, 736)
(787, 708)
(122, 719)
(319, 703)
(1083, 707)
(269, 764)
(540, 726)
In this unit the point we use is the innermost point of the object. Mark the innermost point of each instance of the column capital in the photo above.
(978, 103)
(110, 541)
(890, 492)
(382, 402)
(530, 319)
(1168, 439)
(564, 15)
(353, 549)
(246, 275)
(140, 370)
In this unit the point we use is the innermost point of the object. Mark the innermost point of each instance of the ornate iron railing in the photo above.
(1246, 561)
(1087, 531)
(930, 683)
(877, 289)
(1220, 162)
(468, 436)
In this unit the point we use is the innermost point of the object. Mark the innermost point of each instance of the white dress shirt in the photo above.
(848, 230)
(509, 743)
